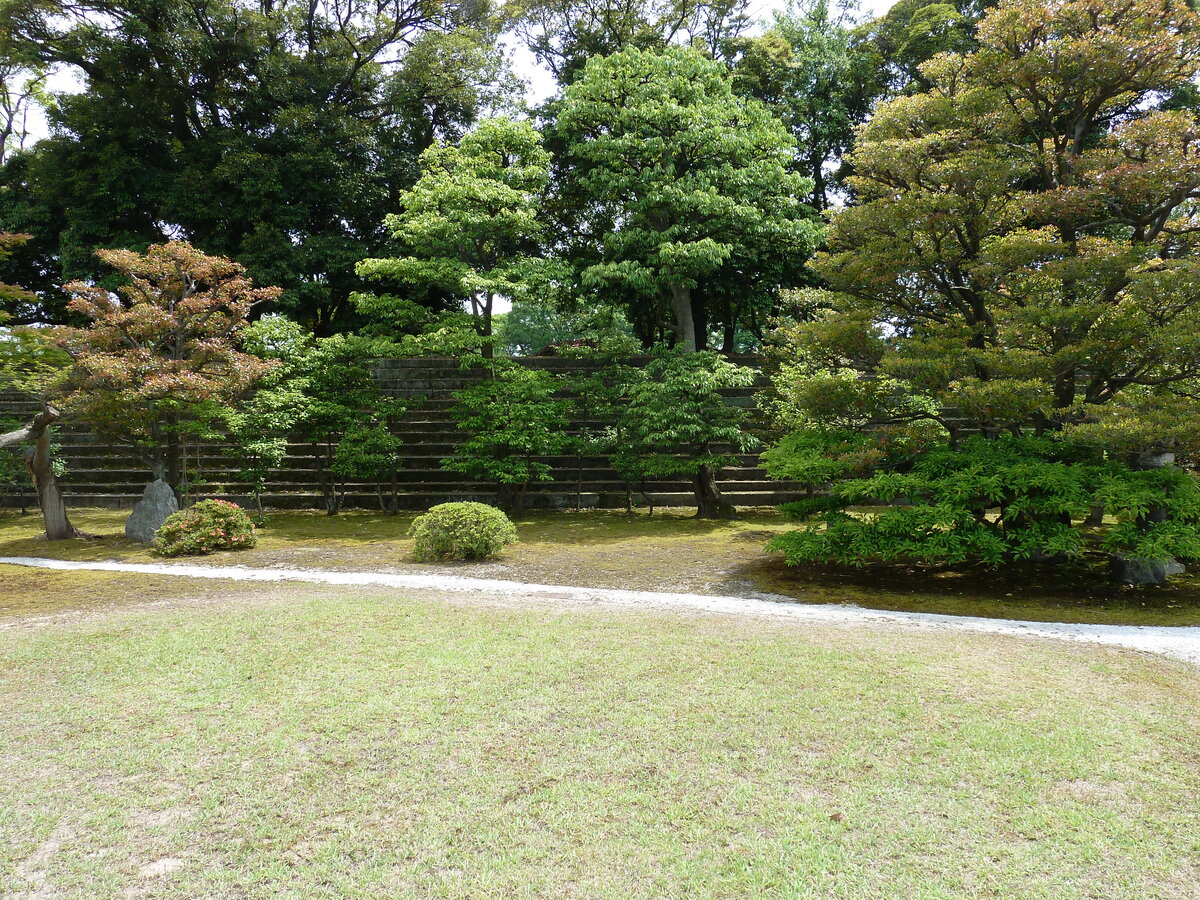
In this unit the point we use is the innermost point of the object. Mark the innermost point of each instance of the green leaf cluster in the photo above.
(994, 501)
(511, 421)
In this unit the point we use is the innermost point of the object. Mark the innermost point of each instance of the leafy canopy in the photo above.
(162, 358)
(681, 184)
(470, 223)
(1022, 260)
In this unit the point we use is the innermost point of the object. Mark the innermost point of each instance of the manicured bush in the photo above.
(209, 525)
(462, 531)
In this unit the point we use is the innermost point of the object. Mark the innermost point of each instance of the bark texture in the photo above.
(40, 464)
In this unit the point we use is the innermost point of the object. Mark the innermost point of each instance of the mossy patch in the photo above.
(670, 551)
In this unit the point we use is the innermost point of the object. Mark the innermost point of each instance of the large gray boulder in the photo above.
(158, 501)
(1129, 570)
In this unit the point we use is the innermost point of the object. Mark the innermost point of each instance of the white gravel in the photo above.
(1179, 642)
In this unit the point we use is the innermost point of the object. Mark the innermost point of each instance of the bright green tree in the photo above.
(1022, 261)
(511, 420)
(680, 185)
(323, 393)
(470, 223)
(672, 420)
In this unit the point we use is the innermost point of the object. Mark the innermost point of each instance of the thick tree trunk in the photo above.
(511, 497)
(710, 503)
(41, 469)
(700, 319)
(488, 350)
(685, 323)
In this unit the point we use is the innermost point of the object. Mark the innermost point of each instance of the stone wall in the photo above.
(102, 475)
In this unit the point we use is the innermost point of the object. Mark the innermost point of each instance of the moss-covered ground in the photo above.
(284, 741)
(669, 551)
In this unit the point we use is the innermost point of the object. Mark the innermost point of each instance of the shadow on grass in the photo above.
(1077, 592)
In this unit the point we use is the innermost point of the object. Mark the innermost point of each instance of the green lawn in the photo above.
(670, 551)
(262, 741)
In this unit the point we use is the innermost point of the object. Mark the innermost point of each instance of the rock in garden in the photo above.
(158, 501)
(1144, 571)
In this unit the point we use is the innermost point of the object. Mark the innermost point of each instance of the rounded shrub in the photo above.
(209, 525)
(462, 531)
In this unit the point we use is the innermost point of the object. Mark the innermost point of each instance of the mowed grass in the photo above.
(303, 742)
(670, 551)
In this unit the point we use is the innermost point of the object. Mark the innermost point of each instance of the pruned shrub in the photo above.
(208, 526)
(462, 531)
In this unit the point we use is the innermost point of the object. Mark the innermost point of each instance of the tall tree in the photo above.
(471, 222)
(275, 133)
(565, 34)
(681, 186)
(28, 364)
(912, 32)
(817, 75)
(1024, 252)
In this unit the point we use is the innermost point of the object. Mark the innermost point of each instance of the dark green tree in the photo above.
(679, 187)
(817, 75)
(565, 34)
(275, 133)
(671, 419)
(511, 420)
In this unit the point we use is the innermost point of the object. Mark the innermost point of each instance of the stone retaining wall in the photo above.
(102, 475)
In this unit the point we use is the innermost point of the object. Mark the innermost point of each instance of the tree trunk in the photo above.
(488, 351)
(700, 319)
(710, 503)
(511, 497)
(729, 338)
(685, 324)
(41, 469)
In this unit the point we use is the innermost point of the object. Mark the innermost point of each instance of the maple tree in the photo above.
(160, 360)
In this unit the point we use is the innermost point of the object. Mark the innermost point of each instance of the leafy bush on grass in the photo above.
(209, 525)
(462, 531)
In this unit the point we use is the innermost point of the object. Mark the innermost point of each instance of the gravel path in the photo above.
(1179, 642)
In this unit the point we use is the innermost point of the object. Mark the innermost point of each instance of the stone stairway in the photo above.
(102, 475)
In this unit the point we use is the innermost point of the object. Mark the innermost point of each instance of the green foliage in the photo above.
(815, 72)
(565, 34)
(208, 526)
(680, 185)
(470, 223)
(322, 392)
(1009, 291)
(1020, 260)
(461, 531)
(14, 479)
(817, 456)
(671, 420)
(531, 328)
(511, 421)
(370, 453)
(275, 134)
(995, 500)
